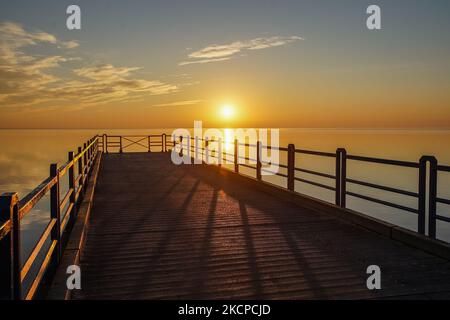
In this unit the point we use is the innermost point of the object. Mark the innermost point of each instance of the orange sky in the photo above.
(292, 65)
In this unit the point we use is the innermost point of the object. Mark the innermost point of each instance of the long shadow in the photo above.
(254, 272)
(313, 283)
(123, 207)
(145, 281)
(198, 281)
(248, 198)
(213, 177)
(124, 238)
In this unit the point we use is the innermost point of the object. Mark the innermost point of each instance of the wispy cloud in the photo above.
(105, 72)
(222, 52)
(70, 44)
(203, 61)
(17, 36)
(178, 103)
(28, 80)
(21, 73)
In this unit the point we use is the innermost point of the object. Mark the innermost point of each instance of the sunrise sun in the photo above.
(227, 111)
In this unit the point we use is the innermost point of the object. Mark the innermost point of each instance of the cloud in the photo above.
(221, 52)
(178, 103)
(21, 73)
(203, 61)
(70, 44)
(106, 71)
(16, 34)
(28, 80)
(104, 84)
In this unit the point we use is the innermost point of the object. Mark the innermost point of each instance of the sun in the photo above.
(227, 111)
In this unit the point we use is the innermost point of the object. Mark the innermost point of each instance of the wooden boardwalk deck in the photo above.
(159, 231)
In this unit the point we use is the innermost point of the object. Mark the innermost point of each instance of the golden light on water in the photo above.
(228, 140)
(227, 112)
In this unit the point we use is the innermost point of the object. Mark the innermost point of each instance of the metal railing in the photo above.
(427, 167)
(119, 143)
(63, 211)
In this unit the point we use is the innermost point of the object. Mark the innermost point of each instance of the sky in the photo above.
(159, 64)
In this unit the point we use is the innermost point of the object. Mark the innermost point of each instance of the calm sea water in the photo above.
(25, 156)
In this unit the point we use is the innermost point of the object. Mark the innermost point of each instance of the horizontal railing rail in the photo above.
(63, 211)
(426, 194)
(435, 214)
(63, 208)
(123, 142)
(79, 165)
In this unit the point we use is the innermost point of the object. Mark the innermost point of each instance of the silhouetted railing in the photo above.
(12, 211)
(63, 211)
(120, 143)
(427, 170)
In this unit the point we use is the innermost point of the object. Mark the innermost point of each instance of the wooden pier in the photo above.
(144, 228)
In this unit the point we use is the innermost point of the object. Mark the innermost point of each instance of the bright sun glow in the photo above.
(227, 111)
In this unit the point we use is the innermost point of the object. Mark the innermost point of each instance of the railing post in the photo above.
(338, 179)
(219, 152)
(10, 278)
(96, 145)
(86, 154)
(88, 158)
(120, 150)
(84, 160)
(206, 150)
(432, 194)
(72, 185)
(80, 168)
(432, 198)
(258, 160)
(164, 142)
(181, 146)
(422, 195)
(188, 146)
(55, 214)
(341, 177)
(89, 149)
(291, 167)
(196, 148)
(236, 155)
(149, 143)
(105, 141)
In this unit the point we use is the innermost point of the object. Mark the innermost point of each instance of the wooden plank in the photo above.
(159, 231)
